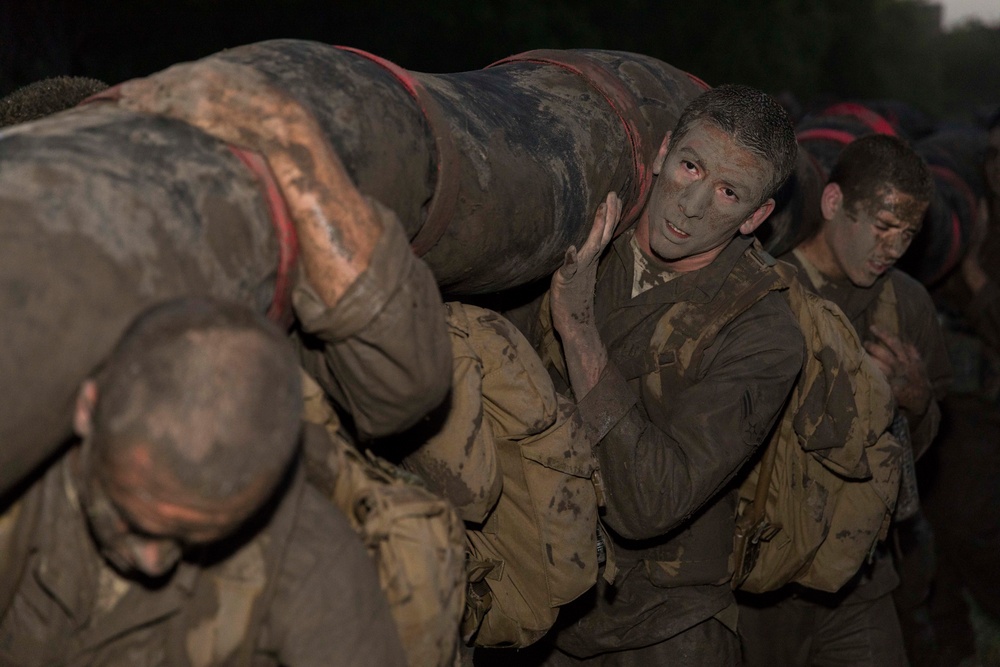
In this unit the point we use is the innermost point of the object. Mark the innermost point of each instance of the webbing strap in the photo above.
(826, 134)
(872, 119)
(955, 247)
(698, 81)
(622, 102)
(280, 310)
(444, 201)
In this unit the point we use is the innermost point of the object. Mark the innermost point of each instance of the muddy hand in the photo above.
(903, 366)
(574, 283)
(236, 104)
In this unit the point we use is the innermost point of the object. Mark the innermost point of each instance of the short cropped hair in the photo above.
(45, 97)
(213, 389)
(754, 120)
(869, 165)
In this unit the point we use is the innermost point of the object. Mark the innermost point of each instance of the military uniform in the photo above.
(669, 451)
(857, 625)
(382, 351)
(298, 591)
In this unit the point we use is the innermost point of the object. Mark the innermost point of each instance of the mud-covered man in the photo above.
(872, 207)
(668, 444)
(179, 530)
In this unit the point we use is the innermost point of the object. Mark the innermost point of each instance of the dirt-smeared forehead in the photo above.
(889, 202)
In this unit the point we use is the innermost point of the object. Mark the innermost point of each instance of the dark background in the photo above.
(815, 49)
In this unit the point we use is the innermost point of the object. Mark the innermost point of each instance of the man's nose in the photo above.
(895, 246)
(694, 200)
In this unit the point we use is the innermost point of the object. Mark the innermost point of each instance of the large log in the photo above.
(492, 173)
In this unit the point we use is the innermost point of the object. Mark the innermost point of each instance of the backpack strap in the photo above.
(687, 329)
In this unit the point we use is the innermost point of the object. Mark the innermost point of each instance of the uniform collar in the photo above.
(699, 286)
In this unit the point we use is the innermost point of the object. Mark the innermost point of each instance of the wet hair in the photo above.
(45, 97)
(754, 120)
(211, 387)
(869, 165)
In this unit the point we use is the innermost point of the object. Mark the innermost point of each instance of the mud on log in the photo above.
(492, 173)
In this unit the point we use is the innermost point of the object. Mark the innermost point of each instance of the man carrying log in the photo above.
(179, 530)
(668, 445)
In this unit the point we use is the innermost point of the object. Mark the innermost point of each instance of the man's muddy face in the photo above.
(707, 188)
(868, 237)
(143, 519)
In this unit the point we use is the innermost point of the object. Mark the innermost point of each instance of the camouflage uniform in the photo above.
(382, 351)
(300, 590)
(857, 625)
(669, 452)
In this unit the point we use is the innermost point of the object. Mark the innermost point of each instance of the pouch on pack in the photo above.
(414, 537)
(818, 500)
(536, 549)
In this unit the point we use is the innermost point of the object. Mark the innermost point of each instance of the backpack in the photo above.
(537, 548)
(414, 537)
(821, 496)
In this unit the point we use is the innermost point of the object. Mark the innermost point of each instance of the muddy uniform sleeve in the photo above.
(328, 608)
(663, 460)
(919, 323)
(382, 352)
(984, 315)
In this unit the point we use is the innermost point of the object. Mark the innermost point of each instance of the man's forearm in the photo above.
(586, 357)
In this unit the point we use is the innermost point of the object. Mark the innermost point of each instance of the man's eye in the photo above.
(690, 166)
(729, 192)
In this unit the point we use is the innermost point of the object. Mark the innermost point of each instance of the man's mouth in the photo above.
(677, 232)
(879, 267)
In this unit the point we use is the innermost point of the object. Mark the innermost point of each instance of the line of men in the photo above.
(179, 530)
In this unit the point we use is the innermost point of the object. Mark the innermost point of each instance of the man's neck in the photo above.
(818, 252)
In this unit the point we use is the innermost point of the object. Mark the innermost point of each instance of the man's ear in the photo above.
(661, 154)
(831, 200)
(757, 217)
(83, 411)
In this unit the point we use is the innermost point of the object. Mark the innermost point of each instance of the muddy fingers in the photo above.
(236, 104)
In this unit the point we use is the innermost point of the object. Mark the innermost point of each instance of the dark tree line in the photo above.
(812, 48)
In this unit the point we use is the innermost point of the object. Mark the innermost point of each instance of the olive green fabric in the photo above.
(268, 597)
(832, 477)
(415, 538)
(836, 469)
(535, 547)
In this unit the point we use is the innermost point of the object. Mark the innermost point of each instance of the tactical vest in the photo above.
(820, 497)
(657, 347)
(537, 548)
(415, 538)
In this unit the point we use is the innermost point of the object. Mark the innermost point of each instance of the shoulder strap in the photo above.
(684, 331)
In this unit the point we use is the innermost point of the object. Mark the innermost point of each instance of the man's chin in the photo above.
(666, 251)
(128, 570)
(864, 279)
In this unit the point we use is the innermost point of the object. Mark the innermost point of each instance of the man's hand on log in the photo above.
(337, 227)
(572, 300)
